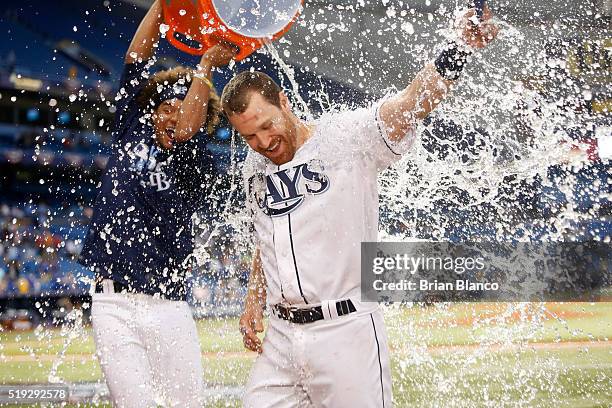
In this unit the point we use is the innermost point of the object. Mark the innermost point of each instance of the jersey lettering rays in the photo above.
(286, 189)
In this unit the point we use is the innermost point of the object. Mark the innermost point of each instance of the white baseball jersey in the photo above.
(311, 214)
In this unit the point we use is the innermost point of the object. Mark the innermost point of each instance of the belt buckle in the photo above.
(283, 312)
(289, 313)
(292, 314)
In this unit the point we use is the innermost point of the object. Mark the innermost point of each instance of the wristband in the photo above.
(451, 61)
(203, 77)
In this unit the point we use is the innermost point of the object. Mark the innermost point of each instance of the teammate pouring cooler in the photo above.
(140, 235)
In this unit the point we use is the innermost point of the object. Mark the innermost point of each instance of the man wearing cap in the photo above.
(140, 237)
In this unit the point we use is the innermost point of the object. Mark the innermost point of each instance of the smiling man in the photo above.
(313, 197)
(140, 236)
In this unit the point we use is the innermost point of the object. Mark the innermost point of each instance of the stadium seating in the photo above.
(42, 230)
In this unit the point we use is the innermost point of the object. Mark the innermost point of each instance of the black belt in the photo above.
(313, 314)
(118, 287)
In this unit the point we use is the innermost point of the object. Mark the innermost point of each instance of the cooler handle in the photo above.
(170, 36)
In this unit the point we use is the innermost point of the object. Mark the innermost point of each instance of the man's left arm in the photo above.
(402, 112)
(193, 111)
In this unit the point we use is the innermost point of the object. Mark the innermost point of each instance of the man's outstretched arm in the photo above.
(147, 34)
(430, 86)
(192, 114)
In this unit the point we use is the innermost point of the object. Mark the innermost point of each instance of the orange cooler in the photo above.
(246, 23)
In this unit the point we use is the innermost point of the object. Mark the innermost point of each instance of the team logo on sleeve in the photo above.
(282, 192)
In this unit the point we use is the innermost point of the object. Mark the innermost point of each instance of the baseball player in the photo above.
(313, 196)
(140, 235)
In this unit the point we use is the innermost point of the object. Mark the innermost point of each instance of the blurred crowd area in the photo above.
(61, 141)
(39, 249)
(219, 285)
(57, 87)
(41, 281)
(40, 246)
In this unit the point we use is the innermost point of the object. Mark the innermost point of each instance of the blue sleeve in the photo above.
(133, 79)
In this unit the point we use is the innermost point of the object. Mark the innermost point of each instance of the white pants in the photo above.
(149, 350)
(330, 363)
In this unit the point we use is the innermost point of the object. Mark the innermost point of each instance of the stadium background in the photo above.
(59, 67)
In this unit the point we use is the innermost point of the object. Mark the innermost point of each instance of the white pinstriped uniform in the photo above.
(310, 216)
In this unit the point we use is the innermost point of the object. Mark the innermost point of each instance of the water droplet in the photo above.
(407, 27)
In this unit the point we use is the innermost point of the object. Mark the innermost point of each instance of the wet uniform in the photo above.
(138, 244)
(310, 216)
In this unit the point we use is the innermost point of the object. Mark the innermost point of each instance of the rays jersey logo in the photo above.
(143, 158)
(284, 191)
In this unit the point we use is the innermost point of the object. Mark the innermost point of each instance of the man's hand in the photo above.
(251, 323)
(220, 54)
(477, 33)
(195, 105)
(429, 88)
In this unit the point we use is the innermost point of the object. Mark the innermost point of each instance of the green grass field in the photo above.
(457, 355)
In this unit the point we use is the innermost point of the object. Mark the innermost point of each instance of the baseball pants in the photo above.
(330, 363)
(148, 349)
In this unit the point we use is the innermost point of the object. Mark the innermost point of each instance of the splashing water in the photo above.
(499, 160)
(71, 330)
(201, 253)
(493, 143)
(302, 107)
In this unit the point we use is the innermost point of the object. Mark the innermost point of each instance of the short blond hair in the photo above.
(237, 93)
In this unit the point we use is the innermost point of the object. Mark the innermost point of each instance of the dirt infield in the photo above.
(490, 312)
(562, 345)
